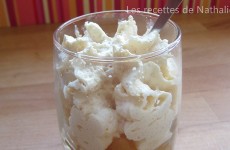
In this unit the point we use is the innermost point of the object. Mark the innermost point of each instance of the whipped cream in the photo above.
(136, 98)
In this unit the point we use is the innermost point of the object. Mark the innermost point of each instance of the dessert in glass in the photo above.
(117, 85)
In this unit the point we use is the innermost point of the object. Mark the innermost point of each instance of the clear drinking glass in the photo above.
(123, 111)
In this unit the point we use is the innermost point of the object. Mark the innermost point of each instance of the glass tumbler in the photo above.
(118, 103)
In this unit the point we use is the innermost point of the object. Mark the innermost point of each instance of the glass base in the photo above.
(166, 146)
(122, 143)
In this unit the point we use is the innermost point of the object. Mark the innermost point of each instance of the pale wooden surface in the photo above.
(27, 109)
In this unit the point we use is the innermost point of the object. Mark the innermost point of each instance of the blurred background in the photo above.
(28, 119)
(30, 12)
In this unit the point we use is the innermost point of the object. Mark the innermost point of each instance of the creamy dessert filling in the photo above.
(129, 102)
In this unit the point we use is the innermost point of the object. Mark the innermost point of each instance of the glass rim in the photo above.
(151, 54)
